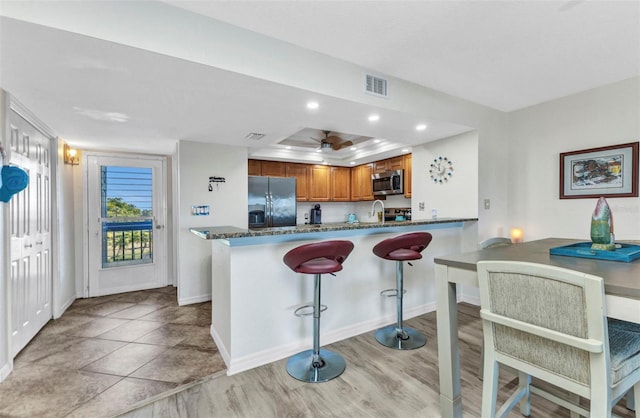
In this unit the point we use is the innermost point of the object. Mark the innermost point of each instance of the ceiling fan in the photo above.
(332, 142)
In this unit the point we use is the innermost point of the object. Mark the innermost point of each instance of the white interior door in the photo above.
(30, 220)
(126, 217)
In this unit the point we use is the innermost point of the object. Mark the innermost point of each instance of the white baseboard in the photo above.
(5, 371)
(63, 308)
(194, 299)
(261, 358)
(473, 300)
(221, 348)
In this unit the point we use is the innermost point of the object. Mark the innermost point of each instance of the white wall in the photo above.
(603, 116)
(64, 248)
(338, 211)
(456, 198)
(196, 162)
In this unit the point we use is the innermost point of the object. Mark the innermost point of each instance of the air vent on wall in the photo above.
(376, 85)
(254, 136)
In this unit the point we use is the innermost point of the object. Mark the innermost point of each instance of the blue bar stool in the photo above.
(317, 365)
(402, 248)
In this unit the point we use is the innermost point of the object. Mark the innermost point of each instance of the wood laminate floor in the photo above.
(378, 382)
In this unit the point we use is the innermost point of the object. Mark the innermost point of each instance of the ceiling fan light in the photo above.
(326, 146)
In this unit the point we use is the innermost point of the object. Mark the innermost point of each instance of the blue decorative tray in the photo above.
(625, 253)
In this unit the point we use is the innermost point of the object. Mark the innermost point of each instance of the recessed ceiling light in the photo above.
(421, 127)
(318, 150)
(325, 162)
(312, 105)
(288, 147)
(376, 141)
(373, 118)
(353, 148)
(352, 162)
(405, 149)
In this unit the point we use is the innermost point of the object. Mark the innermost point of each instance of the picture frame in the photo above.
(610, 171)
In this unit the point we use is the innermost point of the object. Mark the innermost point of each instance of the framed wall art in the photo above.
(610, 171)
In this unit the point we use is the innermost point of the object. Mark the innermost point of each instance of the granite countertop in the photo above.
(227, 232)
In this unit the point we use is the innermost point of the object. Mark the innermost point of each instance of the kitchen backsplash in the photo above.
(338, 211)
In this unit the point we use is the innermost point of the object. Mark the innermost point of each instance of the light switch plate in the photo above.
(487, 204)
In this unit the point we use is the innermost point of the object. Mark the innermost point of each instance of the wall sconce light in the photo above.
(71, 155)
(517, 236)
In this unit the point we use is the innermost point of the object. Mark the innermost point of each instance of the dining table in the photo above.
(621, 285)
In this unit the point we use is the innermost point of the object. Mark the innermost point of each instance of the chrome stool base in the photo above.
(390, 337)
(300, 366)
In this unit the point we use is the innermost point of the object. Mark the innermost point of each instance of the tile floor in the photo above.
(107, 353)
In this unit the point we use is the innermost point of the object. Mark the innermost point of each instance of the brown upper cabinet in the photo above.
(255, 168)
(395, 163)
(321, 183)
(267, 168)
(274, 169)
(407, 175)
(340, 184)
(361, 188)
(301, 173)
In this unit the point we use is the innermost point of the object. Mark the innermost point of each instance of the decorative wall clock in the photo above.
(441, 170)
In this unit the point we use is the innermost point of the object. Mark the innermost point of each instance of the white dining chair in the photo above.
(550, 323)
(493, 242)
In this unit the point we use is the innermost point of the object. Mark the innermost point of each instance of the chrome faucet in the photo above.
(373, 206)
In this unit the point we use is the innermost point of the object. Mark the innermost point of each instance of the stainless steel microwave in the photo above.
(387, 183)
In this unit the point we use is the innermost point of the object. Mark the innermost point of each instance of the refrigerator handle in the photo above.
(269, 210)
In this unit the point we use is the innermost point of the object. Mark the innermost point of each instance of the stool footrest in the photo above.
(390, 293)
(301, 310)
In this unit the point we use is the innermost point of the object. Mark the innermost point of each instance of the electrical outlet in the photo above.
(434, 213)
(487, 204)
(420, 205)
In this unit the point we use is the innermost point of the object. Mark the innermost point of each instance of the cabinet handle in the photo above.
(39, 242)
(28, 245)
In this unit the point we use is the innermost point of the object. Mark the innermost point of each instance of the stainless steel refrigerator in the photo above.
(272, 201)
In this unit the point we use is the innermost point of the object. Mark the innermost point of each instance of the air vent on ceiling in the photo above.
(376, 85)
(254, 136)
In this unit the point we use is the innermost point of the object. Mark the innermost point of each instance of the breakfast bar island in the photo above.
(254, 295)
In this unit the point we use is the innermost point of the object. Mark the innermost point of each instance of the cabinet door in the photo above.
(366, 186)
(356, 189)
(407, 175)
(380, 166)
(319, 184)
(255, 167)
(274, 168)
(301, 173)
(396, 163)
(340, 184)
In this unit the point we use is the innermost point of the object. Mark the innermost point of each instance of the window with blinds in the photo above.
(127, 215)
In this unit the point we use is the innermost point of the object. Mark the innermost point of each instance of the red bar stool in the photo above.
(317, 365)
(405, 247)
